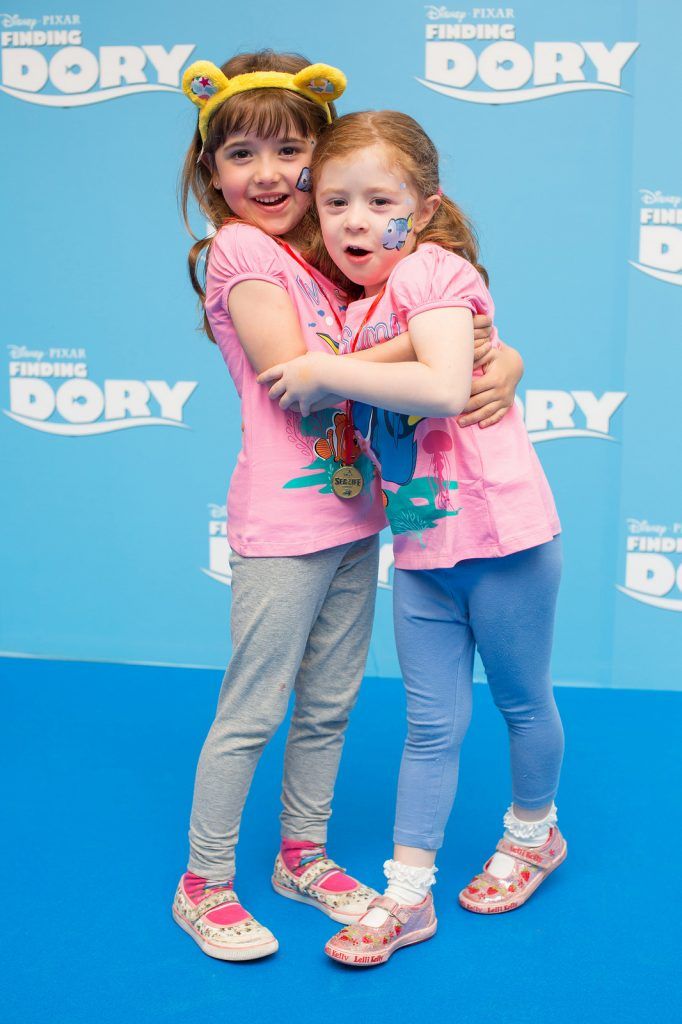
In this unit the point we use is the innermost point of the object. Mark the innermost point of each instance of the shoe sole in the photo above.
(376, 959)
(291, 894)
(222, 952)
(477, 908)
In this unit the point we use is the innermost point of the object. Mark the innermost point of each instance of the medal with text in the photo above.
(347, 482)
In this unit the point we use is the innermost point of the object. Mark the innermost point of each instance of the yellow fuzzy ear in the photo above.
(201, 81)
(322, 81)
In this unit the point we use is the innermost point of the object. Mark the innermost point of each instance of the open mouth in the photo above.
(271, 202)
(356, 252)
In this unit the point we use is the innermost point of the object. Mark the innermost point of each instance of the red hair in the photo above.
(410, 148)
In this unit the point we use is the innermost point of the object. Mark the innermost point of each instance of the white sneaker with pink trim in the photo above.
(214, 917)
(345, 906)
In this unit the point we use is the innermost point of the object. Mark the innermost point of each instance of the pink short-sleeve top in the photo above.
(280, 501)
(451, 492)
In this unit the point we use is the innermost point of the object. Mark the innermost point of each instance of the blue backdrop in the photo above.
(556, 126)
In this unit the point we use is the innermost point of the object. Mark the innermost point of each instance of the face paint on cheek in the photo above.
(396, 233)
(403, 184)
(305, 181)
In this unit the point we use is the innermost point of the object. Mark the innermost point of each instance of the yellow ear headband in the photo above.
(208, 88)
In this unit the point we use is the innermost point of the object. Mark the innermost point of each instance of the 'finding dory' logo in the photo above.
(396, 233)
(50, 66)
(660, 237)
(509, 72)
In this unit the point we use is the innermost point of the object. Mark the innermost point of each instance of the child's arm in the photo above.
(401, 350)
(266, 323)
(437, 385)
(492, 395)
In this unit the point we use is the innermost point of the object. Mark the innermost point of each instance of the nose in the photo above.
(356, 218)
(266, 171)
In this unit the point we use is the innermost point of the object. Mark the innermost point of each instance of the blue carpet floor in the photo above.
(96, 793)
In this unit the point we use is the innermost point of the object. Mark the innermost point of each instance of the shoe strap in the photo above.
(391, 907)
(216, 899)
(528, 855)
(312, 874)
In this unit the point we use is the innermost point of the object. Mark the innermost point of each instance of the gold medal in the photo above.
(347, 482)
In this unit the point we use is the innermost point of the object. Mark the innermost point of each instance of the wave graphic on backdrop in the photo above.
(558, 433)
(102, 427)
(663, 275)
(671, 604)
(219, 577)
(538, 92)
(83, 99)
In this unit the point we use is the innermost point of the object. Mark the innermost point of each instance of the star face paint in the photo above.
(368, 220)
(305, 181)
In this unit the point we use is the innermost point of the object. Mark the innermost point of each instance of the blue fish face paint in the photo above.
(305, 181)
(395, 235)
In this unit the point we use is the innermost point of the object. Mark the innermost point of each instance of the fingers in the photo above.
(480, 386)
(272, 374)
(481, 350)
(484, 362)
(482, 327)
(481, 412)
(475, 403)
(277, 390)
(499, 415)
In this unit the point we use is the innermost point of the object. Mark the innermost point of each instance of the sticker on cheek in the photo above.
(396, 233)
(305, 181)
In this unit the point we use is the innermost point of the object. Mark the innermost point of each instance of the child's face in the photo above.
(263, 180)
(369, 212)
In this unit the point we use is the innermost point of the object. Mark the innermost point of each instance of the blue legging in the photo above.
(505, 607)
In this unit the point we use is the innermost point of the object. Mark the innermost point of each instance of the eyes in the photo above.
(288, 152)
(377, 203)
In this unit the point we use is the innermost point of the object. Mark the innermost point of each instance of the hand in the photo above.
(297, 381)
(492, 395)
(327, 402)
(483, 326)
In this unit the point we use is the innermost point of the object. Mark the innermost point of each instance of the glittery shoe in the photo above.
(226, 934)
(487, 894)
(358, 945)
(345, 906)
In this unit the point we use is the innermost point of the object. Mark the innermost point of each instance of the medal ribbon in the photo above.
(349, 429)
(349, 433)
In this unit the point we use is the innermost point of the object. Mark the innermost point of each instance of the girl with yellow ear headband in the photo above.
(304, 506)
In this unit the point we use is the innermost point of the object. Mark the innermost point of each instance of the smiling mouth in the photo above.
(271, 201)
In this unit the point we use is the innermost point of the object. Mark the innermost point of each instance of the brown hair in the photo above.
(268, 113)
(416, 154)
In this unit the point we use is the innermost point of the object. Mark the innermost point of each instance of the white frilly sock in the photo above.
(523, 833)
(406, 885)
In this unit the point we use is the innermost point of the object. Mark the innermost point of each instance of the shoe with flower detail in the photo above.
(358, 945)
(214, 917)
(488, 894)
(345, 905)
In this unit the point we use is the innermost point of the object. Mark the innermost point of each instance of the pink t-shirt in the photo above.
(452, 492)
(280, 500)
